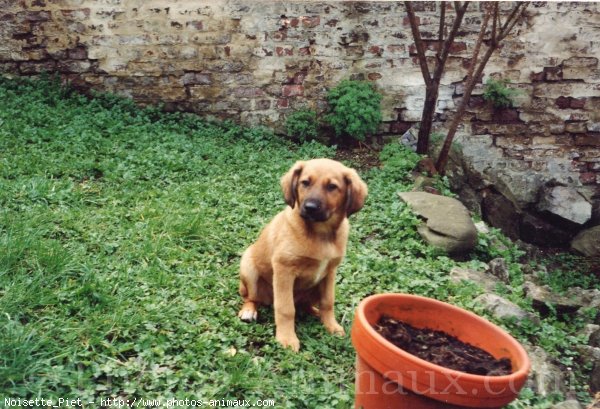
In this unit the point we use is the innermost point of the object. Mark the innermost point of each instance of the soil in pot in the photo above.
(441, 348)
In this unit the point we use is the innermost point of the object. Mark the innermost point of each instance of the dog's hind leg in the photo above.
(249, 278)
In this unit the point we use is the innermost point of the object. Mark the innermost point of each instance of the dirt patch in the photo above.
(362, 159)
(441, 349)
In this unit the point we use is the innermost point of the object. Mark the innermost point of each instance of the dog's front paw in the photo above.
(248, 313)
(289, 341)
(335, 329)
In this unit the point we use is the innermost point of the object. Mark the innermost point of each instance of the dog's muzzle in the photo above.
(312, 210)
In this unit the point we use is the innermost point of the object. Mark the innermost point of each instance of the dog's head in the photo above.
(323, 189)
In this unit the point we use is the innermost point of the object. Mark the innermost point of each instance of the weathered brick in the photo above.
(553, 73)
(197, 78)
(375, 50)
(580, 62)
(588, 178)
(35, 67)
(283, 103)
(34, 16)
(310, 21)
(263, 104)
(575, 127)
(292, 90)
(543, 140)
(248, 92)
(76, 14)
(588, 140)
(563, 102)
(506, 115)
(78, 53)
(400, 127)
(283, 51)
(195, 25)
(76, 66)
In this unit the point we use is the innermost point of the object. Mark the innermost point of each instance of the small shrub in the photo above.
(499, 94)
(354, 109)
(302, 125)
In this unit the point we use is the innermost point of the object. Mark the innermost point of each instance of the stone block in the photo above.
(570, 102)
(248, 92)
(292, 90)
(197, 78)
(575, 127)
(36, 67)
(76, 14)
(580, 62)
(76, 66)
(589, 139)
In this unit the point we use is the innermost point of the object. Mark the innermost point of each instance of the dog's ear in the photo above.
(356, 192)
(289, 183)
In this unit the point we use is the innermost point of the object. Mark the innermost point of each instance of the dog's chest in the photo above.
(319, 274)
(313, 273)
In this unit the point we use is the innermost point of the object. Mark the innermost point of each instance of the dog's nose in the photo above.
(311, 206)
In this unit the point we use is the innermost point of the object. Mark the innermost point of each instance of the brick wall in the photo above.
(257, 61)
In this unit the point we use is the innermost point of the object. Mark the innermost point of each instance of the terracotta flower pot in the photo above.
(388, 377)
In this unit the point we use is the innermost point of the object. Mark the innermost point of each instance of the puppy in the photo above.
(294, 261)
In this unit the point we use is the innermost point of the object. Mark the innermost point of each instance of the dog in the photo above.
(294, 261)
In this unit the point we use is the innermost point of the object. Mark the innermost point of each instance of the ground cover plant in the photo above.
(120, 235)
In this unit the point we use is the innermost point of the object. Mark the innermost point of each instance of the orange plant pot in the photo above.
(388, 377)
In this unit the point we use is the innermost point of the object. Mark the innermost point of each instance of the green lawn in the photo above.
(120, 236)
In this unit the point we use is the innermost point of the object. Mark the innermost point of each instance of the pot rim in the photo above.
(522, 371)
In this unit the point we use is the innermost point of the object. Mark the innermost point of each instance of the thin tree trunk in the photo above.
(431, 96)
(432, 82)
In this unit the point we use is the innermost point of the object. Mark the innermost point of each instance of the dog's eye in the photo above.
(305, 183)
(331, 187)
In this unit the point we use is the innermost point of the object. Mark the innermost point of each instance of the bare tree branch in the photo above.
(460, 13)
(441, 32)
(514, 17)
(509, 24)
(494, 24)
(414, 26)
(482, 31)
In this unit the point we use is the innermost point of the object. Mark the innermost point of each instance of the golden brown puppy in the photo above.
(295, 258)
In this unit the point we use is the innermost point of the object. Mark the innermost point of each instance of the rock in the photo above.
(482, 227)
(448, 224)
(487, 281)
(508, 191)
(500, 212)
(502, 308)
(573, 300)
(539, 232)
(409, 139)
(595, 378)
(594, 337)
(589, 354)
(587, 242)
(565, 202)
(568, 404)
(498, 268)
(545, 378)
(424, 184)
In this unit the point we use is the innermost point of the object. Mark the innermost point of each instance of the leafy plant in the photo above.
(499, 94)
(354, 109)
(563, 271)
(302, 124)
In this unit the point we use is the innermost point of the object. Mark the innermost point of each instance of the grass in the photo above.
(120, 235)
